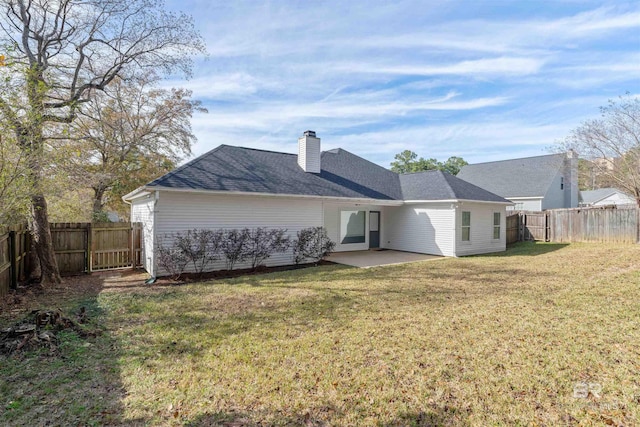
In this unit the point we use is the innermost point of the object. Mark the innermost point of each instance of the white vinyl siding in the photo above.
(526, 204)
(482, 228)
(178, 212)
(423, 228)
(142, 211)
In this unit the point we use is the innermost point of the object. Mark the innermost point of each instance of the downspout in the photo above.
(156, 197)
(455, 229)
(151, 280)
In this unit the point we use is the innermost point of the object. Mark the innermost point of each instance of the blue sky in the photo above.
(485, 80)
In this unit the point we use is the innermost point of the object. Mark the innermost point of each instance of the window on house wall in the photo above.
(352, 226)
(496, 225)
(562, 183)
(466, 226)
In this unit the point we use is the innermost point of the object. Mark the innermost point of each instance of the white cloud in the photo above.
(485, 66)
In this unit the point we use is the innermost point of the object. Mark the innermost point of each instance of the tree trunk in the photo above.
(34, 264)
(42, 241)
(98, 195)
(32, 144)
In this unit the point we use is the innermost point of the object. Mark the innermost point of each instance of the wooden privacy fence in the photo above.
(14, 248)
(615, 225)
(594, 225)
(79, 248)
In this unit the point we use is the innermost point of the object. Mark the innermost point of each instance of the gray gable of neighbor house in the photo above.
(527, 177)
(342, 174)
(438, 185)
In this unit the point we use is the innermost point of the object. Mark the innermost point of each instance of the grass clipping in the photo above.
(39, 331)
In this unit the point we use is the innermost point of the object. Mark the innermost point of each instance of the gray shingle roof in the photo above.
(527, 177)
(438, 185)
(228, 168)
(342, 174)
(592, 196)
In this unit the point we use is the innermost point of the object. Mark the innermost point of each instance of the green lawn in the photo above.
(489, 340)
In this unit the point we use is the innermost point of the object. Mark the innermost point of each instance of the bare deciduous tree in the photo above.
(127, 135)
(612, 143)
(58, 54)
(13, 181)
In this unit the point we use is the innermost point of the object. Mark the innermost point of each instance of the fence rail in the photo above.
(79, 248)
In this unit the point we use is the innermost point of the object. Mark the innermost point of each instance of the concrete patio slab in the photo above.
(366, 259)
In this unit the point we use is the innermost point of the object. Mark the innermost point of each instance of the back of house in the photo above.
(361, 205)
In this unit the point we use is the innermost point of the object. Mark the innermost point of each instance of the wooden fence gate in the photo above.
(85, 247)
(79, 248)
(525, 225)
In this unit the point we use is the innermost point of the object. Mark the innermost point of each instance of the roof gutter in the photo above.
(506, 202)
(526, 198)
(384, 202)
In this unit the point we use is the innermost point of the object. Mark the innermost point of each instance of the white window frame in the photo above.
(497, 226)
(463, 227)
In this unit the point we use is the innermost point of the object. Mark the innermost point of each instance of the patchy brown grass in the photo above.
(490, 340)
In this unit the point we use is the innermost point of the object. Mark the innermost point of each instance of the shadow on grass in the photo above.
(182, 332)
(322, 416)
(78, 383)
(528, 249)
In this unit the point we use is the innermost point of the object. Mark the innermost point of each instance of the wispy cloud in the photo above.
(482, 67)
(476, 79)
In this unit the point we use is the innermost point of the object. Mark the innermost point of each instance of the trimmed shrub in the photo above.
(171, 258)
(313, 244)
(263, 242)
(200, 246)
(234, 246)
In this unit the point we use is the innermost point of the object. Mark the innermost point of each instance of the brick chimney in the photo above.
(309, 152)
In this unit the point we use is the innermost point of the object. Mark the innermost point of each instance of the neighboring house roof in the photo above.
(342, 174)
(438, 185)
(526, 177)
(590, 197)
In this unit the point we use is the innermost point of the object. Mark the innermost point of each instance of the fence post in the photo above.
(13, 259)
(131, 251)
(547, 226)
(89, 247)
